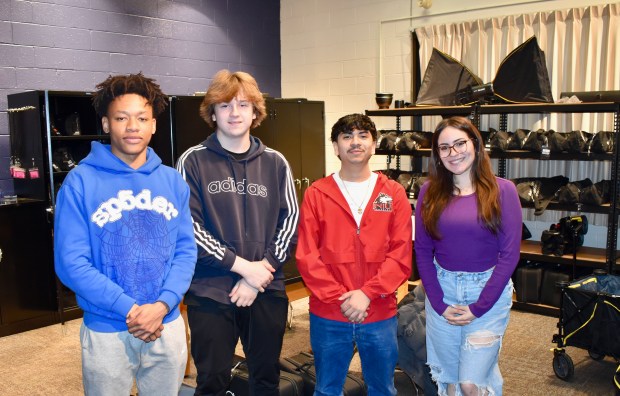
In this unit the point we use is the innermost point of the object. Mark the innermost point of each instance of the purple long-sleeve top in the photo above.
(467, 246)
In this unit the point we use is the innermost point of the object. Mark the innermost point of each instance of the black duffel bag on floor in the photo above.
(303, 365)
(291, 384)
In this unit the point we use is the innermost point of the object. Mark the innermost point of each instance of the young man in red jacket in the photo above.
(354, 250)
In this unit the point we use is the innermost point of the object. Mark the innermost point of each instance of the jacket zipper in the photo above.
(358, 259)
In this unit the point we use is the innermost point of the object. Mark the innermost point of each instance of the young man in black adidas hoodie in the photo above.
(245, 213)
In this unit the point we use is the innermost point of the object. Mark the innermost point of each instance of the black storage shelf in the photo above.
(606, 258)
(516, 154)
(80, 138)
(590, 257)
(45, 127)
(524, 154)
(417, 153)
(422, 111)
(530, 108)
(602, 209)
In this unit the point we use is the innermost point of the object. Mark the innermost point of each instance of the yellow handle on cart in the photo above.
(613, 306)
(583, 325)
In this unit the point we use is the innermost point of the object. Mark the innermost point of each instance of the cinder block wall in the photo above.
(71, 45)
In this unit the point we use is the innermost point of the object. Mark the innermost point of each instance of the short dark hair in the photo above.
(350, 122)
(115, 86)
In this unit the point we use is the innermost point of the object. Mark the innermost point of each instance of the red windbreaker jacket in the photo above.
(335, 256)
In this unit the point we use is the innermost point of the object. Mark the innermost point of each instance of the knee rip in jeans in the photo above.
(436, 376)
(482, 339)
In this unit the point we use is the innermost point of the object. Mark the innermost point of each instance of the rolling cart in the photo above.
(589, 319)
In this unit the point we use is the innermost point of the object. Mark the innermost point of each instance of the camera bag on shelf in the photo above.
(552, 242)
(518, 139)
(585, 192)
(602, 142)
(536, 140)
(499, 140)
(387, 140)
(411, 141)
(569, 142)
(596, 194)
(538, 191)
(564, 237)
(570, 194)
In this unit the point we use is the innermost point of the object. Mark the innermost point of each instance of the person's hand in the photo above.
(145, 321)
(257, 274)
(354, 305)
(242, 294)
(458, 315)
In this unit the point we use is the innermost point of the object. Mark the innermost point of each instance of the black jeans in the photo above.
(215, 330)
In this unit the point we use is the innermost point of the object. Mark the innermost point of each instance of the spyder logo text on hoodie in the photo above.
(112, 209)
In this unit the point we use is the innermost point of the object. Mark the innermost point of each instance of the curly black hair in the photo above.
(115, 86)
(350, 122)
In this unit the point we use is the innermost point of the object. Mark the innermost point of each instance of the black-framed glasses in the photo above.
(459, 147)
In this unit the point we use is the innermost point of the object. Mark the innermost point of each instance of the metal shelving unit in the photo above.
(606, 258)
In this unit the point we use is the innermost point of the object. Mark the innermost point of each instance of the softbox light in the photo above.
(522, 76)
(443, 78)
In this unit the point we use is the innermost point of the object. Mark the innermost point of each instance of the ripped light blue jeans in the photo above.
(467, 354)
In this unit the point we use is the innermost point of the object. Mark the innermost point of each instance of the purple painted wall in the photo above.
(71, 45)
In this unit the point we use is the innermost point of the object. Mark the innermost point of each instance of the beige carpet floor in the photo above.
(47, 361)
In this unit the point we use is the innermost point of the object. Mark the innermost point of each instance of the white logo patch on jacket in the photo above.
(383, 203)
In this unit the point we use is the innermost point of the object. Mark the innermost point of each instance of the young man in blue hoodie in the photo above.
(123, 242)
(245, 216)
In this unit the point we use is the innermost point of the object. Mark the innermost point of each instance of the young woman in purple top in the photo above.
(467, 240)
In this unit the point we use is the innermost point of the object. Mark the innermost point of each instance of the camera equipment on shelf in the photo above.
(476, 93)
(564, 237)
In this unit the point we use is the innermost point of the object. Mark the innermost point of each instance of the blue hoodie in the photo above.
(123, 236)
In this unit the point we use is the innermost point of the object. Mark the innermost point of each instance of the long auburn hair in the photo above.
(441, 181)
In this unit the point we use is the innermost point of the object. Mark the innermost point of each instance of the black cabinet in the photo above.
(296, 128)
(27, 281)
(51, 132)
(189, 128)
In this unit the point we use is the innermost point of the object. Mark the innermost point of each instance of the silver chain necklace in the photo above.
(359, 207)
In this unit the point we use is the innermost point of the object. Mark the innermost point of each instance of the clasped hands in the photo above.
(145, 321)
(458, 315)
(354, 305)
(256, 276)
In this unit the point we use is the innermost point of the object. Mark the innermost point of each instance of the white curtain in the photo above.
(582, 53)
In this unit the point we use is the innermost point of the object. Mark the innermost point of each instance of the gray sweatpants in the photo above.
(110, 362)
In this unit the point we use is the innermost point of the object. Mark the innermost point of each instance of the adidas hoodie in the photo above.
(240, 207)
